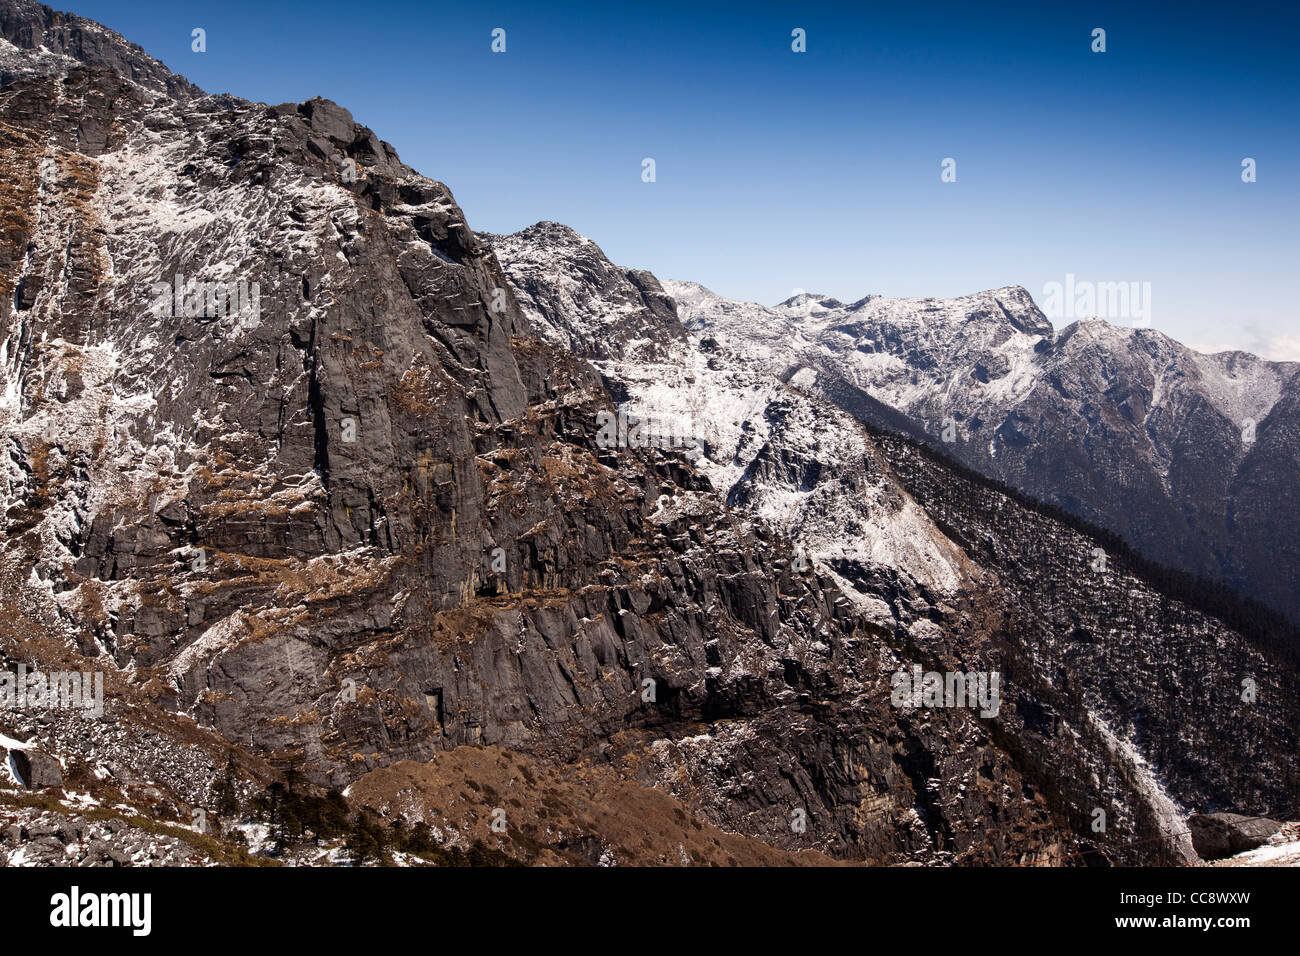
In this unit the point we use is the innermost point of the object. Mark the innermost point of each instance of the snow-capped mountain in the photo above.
(928, 553)
(827, 485)
(379, 531)
(1191, 458)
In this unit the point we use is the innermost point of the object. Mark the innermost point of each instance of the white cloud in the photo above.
(1282, 348)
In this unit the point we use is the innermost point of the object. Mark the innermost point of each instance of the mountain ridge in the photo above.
(45, 38)
(1183, 454)
(770, 474)
(368, 520)
(371, 524)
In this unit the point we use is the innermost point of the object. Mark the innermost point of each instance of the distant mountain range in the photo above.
(911, 538)
(1193, 459)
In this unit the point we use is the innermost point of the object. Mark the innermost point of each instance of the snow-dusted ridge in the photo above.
(792, 460)
(1186, 455)
(747, 382)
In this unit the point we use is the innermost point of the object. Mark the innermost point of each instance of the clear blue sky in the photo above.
(820, 170)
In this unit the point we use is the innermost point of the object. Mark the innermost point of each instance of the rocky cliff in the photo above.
(283, 456)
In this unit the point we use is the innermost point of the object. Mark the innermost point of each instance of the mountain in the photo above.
(390, 540)
(285, 462)
(1190, 458)
(1125, 683)
(38, 41)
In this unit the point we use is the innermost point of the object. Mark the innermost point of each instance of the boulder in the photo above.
(36, 770)
(1216, 835)
(329, 119)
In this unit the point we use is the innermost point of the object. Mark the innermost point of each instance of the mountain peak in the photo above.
(810, 301)
(36, 40)
(553, 234)
(614, 312)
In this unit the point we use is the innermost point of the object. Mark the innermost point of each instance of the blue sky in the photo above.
(778, 170)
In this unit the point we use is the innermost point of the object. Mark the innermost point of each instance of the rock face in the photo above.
(1218, 835)
(51, 41)
(625, 312)
(361, 515)
(798, 463)
(1190, 458)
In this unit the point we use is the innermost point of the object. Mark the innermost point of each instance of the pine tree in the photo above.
(227, 793)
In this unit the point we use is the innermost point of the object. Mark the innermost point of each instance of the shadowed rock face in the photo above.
(34, 770)
(1218, 835)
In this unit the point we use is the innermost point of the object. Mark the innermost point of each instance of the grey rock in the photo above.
(46, 851)
(1218, 835)
(36, 770)
(50, 39)
(329, 119)
(100, 852)
(330, 559)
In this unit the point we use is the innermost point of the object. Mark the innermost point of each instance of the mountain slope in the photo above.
(1116, 694)
(318, 484)
(1191, 458)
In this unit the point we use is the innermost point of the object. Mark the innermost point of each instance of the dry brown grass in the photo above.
(559, 815)
(20, 157)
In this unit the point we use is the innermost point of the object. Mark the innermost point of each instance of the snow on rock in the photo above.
(1183, 454)
(793, 461)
